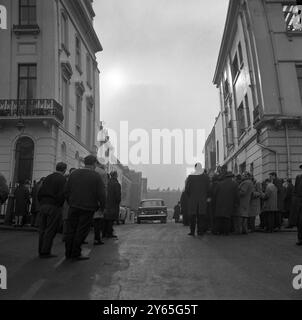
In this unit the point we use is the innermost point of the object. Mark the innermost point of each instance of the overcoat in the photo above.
(4, 191)
(113, 200)
(270, 198)
(226, 198)
(255, 204)
(197, 190)
(22, 200)
(245, 194)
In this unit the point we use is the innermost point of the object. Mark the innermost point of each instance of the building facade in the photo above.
(214, 147)
(259, 77)
(49, 87)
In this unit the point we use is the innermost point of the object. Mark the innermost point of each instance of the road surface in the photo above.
(154, 262)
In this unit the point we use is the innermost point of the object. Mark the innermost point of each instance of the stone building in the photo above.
(259, 77)
(49, 87)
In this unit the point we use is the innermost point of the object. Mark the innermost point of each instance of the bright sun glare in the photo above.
(115, 79)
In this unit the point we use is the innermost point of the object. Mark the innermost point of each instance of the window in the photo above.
(27, 81)
(299, 75)
(247, 108)
(27, 12)
(65, 101)
(78, 117)
(241, 119)
(240, 55)
(229, 134)
(89, 124)
(64, 31)
(293, 17)
(235, 68)
(88, 71)
(78, 54)
(226, 88)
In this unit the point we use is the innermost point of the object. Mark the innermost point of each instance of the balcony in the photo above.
(31, 109)
(30, 29)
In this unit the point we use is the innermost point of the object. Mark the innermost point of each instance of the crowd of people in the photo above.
(73, 203)
(227, 204)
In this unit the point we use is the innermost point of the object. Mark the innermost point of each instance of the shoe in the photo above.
(47, 256)
(81, 258)
(299, 243)
(191, 234)
(85, 242)
(98, 243)
(112, 237)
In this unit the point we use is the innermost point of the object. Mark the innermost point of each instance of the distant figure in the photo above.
(176, 215)
(240, 219)
(35, 207)
(4, 190)
(51, 199)
(22, 202)
(255, 205)
(289, 190)
(113, 205)
(197, 190)
(227, 201)
(98, 218)
(85, 194)
(280, 199)
(270, 205)
(298, 195)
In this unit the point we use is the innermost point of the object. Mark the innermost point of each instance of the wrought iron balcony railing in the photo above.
(31, 108)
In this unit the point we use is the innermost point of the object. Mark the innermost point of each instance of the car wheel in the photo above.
(124, 221)
(138, 221)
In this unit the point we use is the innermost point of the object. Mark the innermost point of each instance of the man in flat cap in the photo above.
(85, 194)
(298, 194)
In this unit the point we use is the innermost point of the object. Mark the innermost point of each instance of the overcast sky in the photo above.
(157, 68)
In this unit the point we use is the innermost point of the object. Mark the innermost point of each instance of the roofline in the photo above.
(230, 23)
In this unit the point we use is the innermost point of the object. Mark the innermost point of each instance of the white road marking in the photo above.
(31, 292)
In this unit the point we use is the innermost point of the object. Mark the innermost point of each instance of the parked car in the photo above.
(152, 210)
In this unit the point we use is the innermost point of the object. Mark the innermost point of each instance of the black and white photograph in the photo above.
(150, 153)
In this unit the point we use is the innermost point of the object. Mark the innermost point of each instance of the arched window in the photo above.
(24, 159)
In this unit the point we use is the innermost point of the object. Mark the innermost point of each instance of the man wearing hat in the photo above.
(298, 194)
(85, 194)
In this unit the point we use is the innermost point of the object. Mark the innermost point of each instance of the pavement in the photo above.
(154, 262)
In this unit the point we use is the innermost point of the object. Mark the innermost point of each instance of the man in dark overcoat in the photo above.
(85, 194)
(298, 195)
(227, 201)
(197, 190)
(114, 195)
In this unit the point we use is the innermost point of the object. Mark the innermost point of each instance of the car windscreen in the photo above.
(152, 203)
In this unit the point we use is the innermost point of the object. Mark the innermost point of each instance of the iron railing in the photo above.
(31, 108)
